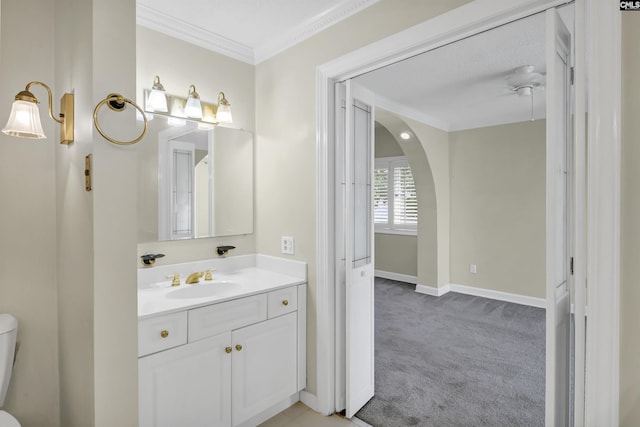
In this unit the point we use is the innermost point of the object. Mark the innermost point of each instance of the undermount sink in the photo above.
(202, 290)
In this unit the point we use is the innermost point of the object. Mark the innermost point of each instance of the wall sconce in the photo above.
(177, 109)
(24, 120)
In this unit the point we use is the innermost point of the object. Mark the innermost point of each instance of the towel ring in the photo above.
(117, 103)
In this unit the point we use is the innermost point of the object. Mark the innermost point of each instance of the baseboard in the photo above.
(396, 276)
(311, 400)
(430, 290)
(500, 296)
(480, 292)
(272, 411)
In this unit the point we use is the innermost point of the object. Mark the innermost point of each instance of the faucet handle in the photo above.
(208, 275)
(222, 250)
(176, 279)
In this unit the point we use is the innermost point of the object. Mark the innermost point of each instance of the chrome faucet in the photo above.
(194, 278)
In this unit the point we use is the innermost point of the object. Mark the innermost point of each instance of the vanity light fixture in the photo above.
(157, 100)
(193, 107)
(223, 114)
(24, 120)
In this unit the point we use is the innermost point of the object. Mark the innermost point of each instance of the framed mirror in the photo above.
(195, 182)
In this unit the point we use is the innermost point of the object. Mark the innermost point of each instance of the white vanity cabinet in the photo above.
(240, 359)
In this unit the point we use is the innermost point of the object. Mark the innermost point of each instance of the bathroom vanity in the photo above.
(225, 352)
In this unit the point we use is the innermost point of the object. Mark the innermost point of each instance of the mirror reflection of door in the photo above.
(182, 197)
(205, 183)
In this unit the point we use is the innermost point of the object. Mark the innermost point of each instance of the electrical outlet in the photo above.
(286, 245)
(473, 269)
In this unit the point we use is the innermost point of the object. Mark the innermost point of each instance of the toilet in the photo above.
(8, 333)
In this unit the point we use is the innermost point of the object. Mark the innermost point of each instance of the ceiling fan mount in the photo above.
(524, 80)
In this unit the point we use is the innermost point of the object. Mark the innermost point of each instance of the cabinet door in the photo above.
(264, 370)
(188, 385)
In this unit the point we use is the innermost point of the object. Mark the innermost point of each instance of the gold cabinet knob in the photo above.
(164, 333)
(238, 347)
(228, 349)
(285, 302)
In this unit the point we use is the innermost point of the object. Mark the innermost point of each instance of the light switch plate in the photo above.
(286, 245)
(473, 269)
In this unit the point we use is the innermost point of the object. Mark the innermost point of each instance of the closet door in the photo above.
(558, 315)
(359, 292)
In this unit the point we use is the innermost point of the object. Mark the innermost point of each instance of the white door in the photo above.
(558, 318)
(359, 271)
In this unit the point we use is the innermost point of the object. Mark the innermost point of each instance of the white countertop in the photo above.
(157, 298)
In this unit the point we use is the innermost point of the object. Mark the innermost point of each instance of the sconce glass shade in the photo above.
(193, 108)
(24, 120)
(157, 100)
(223, 115)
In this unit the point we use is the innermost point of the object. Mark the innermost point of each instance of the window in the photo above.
(394, 197)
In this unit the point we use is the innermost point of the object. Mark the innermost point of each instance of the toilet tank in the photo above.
(8, 332)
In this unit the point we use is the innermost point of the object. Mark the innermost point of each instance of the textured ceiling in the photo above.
(464, 85)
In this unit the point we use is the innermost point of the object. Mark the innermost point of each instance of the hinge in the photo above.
(571, 265)
(571, 76)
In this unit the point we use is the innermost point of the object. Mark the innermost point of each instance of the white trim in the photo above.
(310, 28)
(271, 411)
(603, 32)
(170, 25)
(500, 296)
(432, 291)
(397, 231)
(396, 276)
(325, 244)
(311, 400)
(603, 172)
(185, 31)
(481, 292)
(579, 233)
(403, 110)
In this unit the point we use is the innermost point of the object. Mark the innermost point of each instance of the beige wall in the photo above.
(28, 227)
(114, 232)
(74, 28)
(211, 73)
(385, 143)
(286, 129)
(630, 296)
(394, 253)
(498, 208)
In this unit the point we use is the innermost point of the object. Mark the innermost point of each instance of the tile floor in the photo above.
(300, 415)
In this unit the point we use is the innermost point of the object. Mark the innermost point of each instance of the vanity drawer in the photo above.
(211, 320)
(162, 332)
(283, 301)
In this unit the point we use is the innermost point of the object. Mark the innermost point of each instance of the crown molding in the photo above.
(309, 28)
(174, 27)
(403, 110)
(183, 30)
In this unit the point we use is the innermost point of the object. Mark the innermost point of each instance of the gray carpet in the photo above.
(456, 360)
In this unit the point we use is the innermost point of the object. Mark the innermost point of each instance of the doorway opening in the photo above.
(441, 275)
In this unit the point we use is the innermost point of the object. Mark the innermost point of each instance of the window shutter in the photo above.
(405, 203)
(380, 196)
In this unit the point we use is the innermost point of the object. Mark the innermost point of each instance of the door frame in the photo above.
(598, 29)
